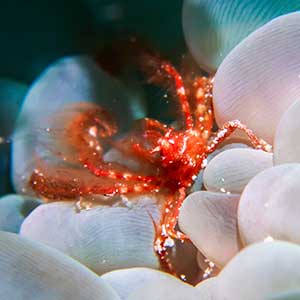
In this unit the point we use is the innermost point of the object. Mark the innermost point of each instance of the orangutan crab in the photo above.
(174, 156)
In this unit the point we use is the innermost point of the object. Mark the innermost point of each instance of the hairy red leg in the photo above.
(55, 182)
(154, 124)
(203, 111)
(132, 151)
(228, 128)
(133, 145)
(101, 171)
(139, 151)
(165, 231)
(86, 125)
(153, 130)
(180, 92)
(78, 132)
(170, 218)
(161, 72)
(89, 124)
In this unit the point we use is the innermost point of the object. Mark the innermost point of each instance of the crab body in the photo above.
(181, 157)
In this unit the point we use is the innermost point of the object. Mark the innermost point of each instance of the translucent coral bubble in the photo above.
(260, 271)
(269, 206)
(231, 170)
(213, 28)
(259, 79)
(286, 142)
(30, 270)
(13, 210)
(210, 221)
(126, 281)
(169, 288)
(118, 234)
(67, 81)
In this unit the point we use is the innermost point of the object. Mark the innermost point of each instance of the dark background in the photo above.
(36, 32)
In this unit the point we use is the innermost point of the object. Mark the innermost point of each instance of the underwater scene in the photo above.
(150, 150)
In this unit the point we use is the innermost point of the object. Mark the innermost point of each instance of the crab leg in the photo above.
(66, 183)
(154, 124)
(170, 219)
(181, 93)
(153, 130)
(102, 171)
(228, 128)
(203, 114)
(112, 174)
(166, 230)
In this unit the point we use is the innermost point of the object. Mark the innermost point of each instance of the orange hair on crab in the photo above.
(174, 156)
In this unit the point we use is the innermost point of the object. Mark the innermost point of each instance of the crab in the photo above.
(173, 155)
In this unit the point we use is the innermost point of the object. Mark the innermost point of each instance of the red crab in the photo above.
(173, 156)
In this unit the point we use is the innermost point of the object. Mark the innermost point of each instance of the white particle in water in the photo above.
(169, 242)
(268, 239)
(183, 277)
